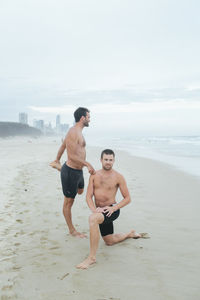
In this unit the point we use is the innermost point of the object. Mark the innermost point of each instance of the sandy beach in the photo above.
(38, 256)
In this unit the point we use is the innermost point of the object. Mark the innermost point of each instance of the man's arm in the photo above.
(126, 197)
(61, 150)
(56, 163)
(90, 193)
(125, 193)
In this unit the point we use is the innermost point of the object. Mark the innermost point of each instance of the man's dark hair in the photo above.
(107, 151)
(79, 112)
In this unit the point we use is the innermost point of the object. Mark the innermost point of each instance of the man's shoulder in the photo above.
(93, 177)
(72, 132)
(116, 173)
(97, 173)
(119, 177)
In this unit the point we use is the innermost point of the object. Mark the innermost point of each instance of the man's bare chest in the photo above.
(106, 184)
(81, 142)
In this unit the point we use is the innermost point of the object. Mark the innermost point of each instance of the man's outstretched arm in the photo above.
(61, 150)
(56, 163)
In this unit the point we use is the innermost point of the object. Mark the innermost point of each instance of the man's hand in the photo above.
(91, 170)
(109, 210)
(99, 210)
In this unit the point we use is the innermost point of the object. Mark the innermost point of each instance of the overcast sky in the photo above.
(134, 64)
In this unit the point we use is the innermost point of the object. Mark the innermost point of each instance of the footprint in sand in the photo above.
(16, 268)
(19, 233)
(43, 238)
(33, 233)
(7, 287)
(38, 255)
(17, 244)
(54, 248)
(19, 221)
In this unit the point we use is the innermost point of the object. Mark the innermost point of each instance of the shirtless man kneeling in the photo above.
(103, 185)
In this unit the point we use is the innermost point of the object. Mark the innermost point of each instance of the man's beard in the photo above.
(86, 124)
(108, 168)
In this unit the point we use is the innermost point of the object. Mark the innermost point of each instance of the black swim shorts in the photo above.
(107, 226)
(72, 180)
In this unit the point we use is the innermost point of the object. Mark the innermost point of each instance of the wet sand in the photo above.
(38, 256)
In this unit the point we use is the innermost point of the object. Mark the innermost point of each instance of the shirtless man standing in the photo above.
(71, 172)
(103, 185)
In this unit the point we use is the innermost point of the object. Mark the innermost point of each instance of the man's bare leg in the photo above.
(67, 206)
(94, 221)
(56, 165)
(112, 239)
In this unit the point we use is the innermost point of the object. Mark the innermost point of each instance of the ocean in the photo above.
(181, 152)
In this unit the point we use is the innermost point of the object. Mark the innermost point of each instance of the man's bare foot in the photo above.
(133, 234)
(56, 165)
(86, 263)
(78, 234)
(141, 235)
(144, 235)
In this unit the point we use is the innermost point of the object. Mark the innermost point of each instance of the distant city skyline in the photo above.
(47, 127)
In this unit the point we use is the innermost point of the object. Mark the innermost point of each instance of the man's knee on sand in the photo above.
(108, 239)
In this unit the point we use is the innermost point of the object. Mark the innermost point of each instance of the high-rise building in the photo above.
(39, 124)
(64, 128)
(23, 118)
(57, 121)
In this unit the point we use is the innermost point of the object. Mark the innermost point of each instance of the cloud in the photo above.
(110, 108)
(195, 87)
(54, 109)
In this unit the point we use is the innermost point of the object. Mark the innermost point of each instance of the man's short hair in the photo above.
(80, 112)
(107, 151)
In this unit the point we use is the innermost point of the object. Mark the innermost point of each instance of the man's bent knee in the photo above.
(109, 243)
(80, 191)
(108, 240)
(96, 218)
